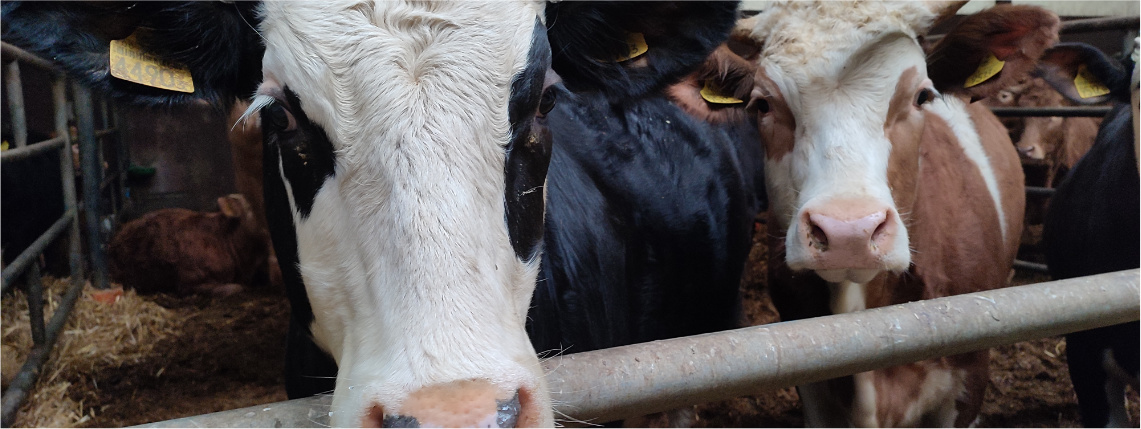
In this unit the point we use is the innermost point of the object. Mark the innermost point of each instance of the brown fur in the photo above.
(904, 127)
(777, 128)
(183, 251)
(1017, 34)
(731, 72)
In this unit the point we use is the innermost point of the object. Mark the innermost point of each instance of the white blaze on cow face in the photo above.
(401, 241)
(841, 111)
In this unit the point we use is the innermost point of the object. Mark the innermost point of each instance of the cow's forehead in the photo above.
(811, 35)
(820, 48)
(359, 67)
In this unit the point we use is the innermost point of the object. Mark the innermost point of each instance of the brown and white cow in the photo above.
(885, 183)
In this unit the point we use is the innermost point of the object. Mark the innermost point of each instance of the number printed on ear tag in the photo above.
(130, 63)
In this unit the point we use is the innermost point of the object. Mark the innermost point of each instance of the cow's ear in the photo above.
(628, 49)
(1084, 74)
(215, 42)
(719, 90)
(992, 49)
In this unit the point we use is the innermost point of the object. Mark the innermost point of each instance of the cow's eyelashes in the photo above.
(547, 101)
(278, 117)
(924, 96)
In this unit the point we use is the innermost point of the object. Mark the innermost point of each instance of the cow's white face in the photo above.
(404, 138)
(840, 107)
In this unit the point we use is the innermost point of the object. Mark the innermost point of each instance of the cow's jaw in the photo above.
(416, 289)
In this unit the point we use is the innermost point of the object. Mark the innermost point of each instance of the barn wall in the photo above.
(188, 148)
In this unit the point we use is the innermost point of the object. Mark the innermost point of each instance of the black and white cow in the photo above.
(1091, 227)
(406, 150)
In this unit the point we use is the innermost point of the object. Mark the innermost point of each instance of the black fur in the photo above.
(587, 36)
(528, 151)
(1091, 227)
(1059, 64)
(215, 40)
(649, 222)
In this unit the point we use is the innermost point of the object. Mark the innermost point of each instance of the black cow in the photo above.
(1091, 227)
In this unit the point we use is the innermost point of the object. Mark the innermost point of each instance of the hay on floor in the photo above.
(97, 335)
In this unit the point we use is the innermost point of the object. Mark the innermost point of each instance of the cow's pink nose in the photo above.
(846, 238)
(465, 403)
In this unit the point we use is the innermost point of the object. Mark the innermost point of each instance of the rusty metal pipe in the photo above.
(634, 380)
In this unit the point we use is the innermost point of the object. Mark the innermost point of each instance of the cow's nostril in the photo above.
(881, 229)
(818, 238)
(507, 412)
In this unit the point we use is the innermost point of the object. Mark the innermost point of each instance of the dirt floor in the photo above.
(231, 352)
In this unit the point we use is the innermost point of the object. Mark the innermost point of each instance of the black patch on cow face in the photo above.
(306, 156)
(529, 150)
(299, 151)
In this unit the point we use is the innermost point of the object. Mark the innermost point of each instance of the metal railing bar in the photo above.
(1038, 190)
(622, 382)
(14, 90)
(105, 132)
(25, 380)
(33, 149)
(92, 166)
(35, 302)
(1031, 266)
(108, 181)
(1098, 24)
(67, 175)
(18, 265)
(11, 51)
(1081, 25)
(1064, 111)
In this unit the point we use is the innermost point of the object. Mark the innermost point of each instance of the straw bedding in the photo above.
(97, 336)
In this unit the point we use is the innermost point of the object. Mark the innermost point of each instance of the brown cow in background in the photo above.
(1048, 146)
(184, 251)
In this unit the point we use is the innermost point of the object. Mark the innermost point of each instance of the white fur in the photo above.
(837, 65)
(841, 151)
(405, 254)
(953, 111)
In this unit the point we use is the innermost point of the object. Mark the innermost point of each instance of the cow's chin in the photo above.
(854, 275)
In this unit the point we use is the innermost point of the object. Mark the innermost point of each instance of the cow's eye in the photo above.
(925, 96)
(279, 117)
(547, 101)
(759, 105)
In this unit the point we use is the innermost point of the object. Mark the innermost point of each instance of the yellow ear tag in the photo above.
(713, 94)
(4, 145)
(989, 67)
(130, 63)
(1087, 84)
(636, 42)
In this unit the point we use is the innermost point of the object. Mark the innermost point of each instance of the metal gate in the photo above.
(97, 187)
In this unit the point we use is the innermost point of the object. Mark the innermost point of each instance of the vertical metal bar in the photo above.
(124, 158)
(35, 302)
(67, 174)
(15, 91)
(92, 178)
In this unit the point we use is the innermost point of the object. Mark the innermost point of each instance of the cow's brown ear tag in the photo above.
(1088, 85)
(987, 69)
(712, 93)
(636, 44)
(130, 63)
